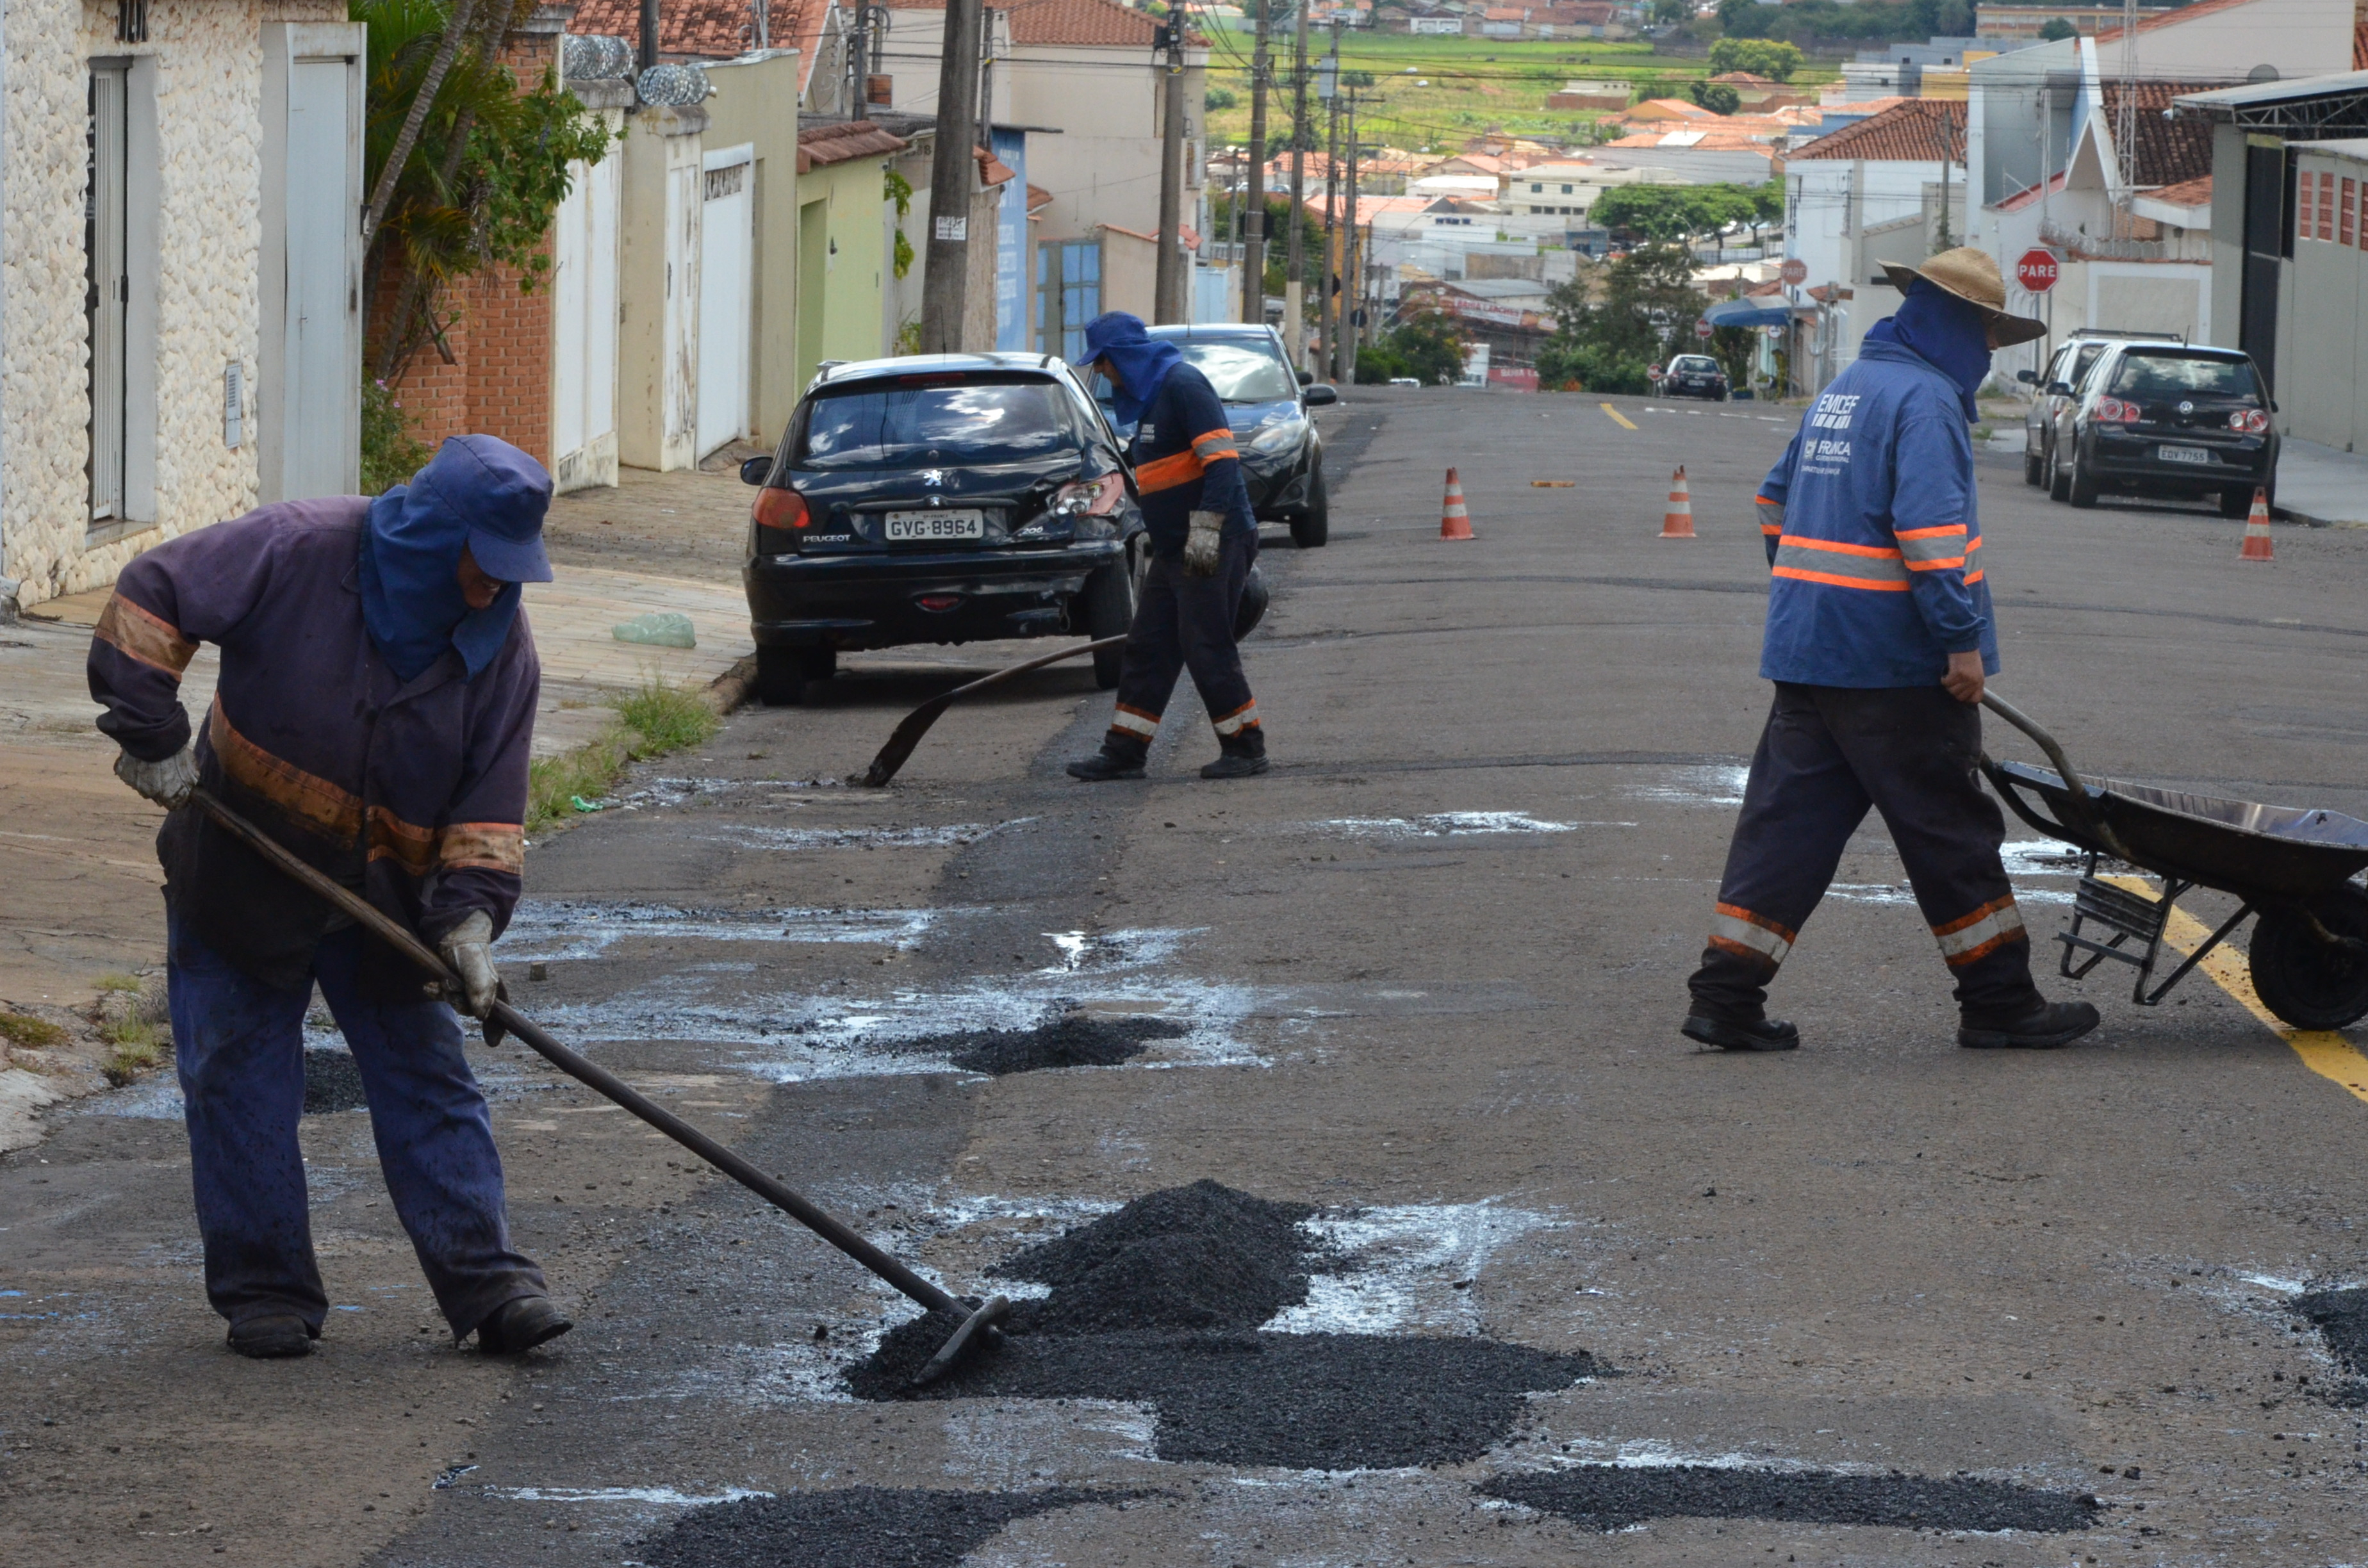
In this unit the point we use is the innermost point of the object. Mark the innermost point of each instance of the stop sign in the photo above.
(2036, 270)
(1702, 328)
(1794, 272)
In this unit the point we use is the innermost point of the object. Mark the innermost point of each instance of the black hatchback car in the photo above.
(941, 498)
(1266, 404)
(2166, 419)
(1694, 375)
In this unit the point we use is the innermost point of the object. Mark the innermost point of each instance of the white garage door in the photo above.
(726, 278)
(585, 298)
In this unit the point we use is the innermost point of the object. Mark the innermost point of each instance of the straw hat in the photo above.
(1973, 277)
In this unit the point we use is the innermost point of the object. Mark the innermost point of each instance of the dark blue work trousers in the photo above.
(1183, 622)
(239, 1045)
(1828, 755)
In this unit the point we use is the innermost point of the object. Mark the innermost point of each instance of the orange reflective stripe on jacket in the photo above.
(1840, 565)
(1183, 467)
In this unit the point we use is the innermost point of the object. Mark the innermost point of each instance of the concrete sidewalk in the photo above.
(2322, 486)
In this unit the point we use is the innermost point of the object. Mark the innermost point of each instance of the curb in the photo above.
(2286, 513)
(730, 689)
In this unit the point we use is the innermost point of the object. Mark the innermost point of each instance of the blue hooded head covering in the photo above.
(480, 493)
(1950, 333)
(1141, 360)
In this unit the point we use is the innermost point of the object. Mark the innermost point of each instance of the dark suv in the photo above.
(2165, 419)
(940, 498)
(1266, 404)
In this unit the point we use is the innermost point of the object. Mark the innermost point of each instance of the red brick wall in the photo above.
(500, 338)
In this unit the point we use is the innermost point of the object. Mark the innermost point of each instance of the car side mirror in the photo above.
(2026, 377)
(1317, 397)
(1306, 377)
(755, 471)
(2059, 389)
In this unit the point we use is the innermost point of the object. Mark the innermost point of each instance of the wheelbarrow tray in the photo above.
(2256, 852)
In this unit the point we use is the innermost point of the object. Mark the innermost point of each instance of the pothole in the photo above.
(1160, 1303)
(1617, 1497)
(2341, 1319)
(1070, 1037)
(855, 1527)
(332, 1082)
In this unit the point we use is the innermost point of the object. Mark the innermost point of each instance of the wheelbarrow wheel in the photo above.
(2301, 979)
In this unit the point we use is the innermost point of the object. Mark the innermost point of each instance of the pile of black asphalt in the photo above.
(1160, 1303)
(1617, 1497)
(859, 1526)
(332, 1082)
(2341, 1319)
(1069, 1036)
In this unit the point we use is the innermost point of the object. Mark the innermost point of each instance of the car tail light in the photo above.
(2252, 421)
(939, 602)
(780, 512)
(2114, 411)
(1089, 497)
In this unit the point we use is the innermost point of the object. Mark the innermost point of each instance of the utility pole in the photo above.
(1353, 295)
(953, 182)
(1253, 200)
(1168, 284)
(649, 50)
(1328, 304)
(859, 66)
(1294, 291)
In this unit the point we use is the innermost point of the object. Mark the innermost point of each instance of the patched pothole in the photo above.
(1070, 1037)
(1617, 1497)
(855, 1527)
(332, 1082)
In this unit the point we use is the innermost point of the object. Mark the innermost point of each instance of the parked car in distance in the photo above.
(1694, 375)
(1404, 382)
(1267, 403)
(2165, 418)
(941, 498)
(2070, 364)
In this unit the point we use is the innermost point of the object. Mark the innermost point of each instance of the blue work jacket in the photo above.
(1871, 534)
(1185, 461)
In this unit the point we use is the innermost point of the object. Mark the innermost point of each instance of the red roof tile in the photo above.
(2186, 193)
(836, 142)
(1912, 131)
(1066, 21)
(2169, 152)
(710, 29)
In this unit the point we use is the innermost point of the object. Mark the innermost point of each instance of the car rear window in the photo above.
(934, 419)
(2145, 373)
(1242, 371)
(1692, 365)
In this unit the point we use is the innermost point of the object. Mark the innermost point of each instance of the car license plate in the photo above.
(952, 523)
(2184, 454)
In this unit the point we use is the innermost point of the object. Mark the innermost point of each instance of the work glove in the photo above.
(168, 782)
(1204, 544)
(468, 949)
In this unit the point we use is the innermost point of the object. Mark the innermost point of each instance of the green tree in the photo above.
(1278, 239)
(2055, 29)
(1666, 12)
(1674, 212)
(1648, 302)
(1218, 99)
(484, 165)
(1743, 18)
(1427, 345)
(1716, 97)
(1777, 62)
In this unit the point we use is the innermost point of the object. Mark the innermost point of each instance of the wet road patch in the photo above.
(1160, 1303)
(2341, 1319)
(856, 1527)
(1070, 1037)
(1617, 1497)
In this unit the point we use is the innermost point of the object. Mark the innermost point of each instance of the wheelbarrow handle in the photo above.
(582, 1069)
(2087, 818)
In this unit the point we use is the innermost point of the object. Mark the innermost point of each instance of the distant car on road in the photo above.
(1404, 382)
(2070, 365)
(1694, 375)
(1266, 404)
(2165, 418)
(940, 498)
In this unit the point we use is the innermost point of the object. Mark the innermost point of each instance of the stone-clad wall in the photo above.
(209, 103)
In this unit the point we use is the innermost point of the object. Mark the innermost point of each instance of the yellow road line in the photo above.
(1617, 417)
(2324, 1052)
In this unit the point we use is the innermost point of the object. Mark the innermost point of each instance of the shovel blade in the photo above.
(980, 1325)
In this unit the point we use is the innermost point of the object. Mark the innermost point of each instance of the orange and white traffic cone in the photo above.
(1454, 522)
(2256, 530)
(1677, 522)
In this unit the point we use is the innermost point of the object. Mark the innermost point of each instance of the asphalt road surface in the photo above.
(1879, 1301)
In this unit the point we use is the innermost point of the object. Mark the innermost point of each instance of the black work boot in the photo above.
(2047, 1026)
(1730, 1034)
(1241, 755)
(1120, 757)
(520, 1325)
(271, 1336)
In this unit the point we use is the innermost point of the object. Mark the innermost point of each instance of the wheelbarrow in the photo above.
(2292, 866)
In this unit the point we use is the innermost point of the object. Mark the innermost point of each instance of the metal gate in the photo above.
(727, 280)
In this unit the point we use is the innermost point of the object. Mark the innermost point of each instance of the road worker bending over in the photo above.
(1204, 539)
(375, 707)
(1879, 637)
